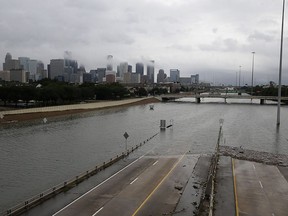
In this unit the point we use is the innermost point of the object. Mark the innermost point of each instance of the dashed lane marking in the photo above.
(98, 211)
(133, 181)
(155, 162)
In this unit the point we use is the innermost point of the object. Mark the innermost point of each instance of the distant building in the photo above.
(161, 76)
(111, 78)
(129, 68)
(174, 75)
(144, 79)
(123, 68)
(135, 78)
(19, 75)
(195, 79)
(109, 63)
(10, 63)
(140, 68)
(57, 68)
(185, 80)
(34, 67)
(127, 77)
(101, 74)
(150, 71)
(24, 61)
(5, 75)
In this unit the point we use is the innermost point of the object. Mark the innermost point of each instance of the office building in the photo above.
(195, 79)
(5, 75)
(150, 71)
(101, 74)
(135, 78)
(19, 75)
(87, 78)
(10, 63)
(140, 69)
(129, 68)
(109, 63)
(174, 75)
(123, 68)
(57, 69)
(111, 78)
(161, 76)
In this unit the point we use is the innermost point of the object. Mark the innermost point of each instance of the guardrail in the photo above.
(67, 185)
(207, 201)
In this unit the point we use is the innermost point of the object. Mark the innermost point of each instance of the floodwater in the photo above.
(36, 156)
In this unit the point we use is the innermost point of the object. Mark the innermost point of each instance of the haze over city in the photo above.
(211, 38)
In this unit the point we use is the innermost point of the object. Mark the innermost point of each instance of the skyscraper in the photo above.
(140, 68)
(109, 63)
(123, 68)
(150, 71)
(56, 68)
(10, 63)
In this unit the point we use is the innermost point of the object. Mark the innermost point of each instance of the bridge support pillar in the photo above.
(198, 100)
(262, 101)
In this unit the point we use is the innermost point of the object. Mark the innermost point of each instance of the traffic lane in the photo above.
(225, 203)
(250, 196)
(130, 198)
(275, 186)
(261, 189)
(94, 199)
(165, 198)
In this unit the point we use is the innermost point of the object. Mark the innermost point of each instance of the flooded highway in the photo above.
(36, 156)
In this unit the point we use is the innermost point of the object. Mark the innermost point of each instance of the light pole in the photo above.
(280, 66)
(236, 80)
(239, 77)
(253, 53)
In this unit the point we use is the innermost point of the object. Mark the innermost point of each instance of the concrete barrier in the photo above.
(207, 200)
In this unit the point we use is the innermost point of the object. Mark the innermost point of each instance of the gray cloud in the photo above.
(192, 35)
(261, 36)
(221, 45)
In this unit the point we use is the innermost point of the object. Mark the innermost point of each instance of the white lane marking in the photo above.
(97, 186)
(260, 184)
(133, 181)
(98, 211)
(155, 163)
(254, 167)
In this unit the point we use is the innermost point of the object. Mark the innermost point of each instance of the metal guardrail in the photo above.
(67, 185)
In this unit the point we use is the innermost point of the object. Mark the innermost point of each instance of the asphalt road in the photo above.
(148, 186)
(261, 189)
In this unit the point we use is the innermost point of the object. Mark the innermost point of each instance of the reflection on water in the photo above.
(35, 156)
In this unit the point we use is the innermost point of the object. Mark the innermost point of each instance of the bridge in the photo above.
(173, 97)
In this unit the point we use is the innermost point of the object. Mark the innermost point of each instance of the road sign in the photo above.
(126, 135)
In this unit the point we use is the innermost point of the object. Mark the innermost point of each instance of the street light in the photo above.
(280, 66)
(239, 76)
(253, 53)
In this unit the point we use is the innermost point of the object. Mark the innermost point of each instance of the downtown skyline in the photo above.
(209, 38)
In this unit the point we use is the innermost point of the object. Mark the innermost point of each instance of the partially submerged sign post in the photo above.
(126, 135)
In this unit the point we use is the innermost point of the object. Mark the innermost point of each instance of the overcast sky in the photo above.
(209, 37)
